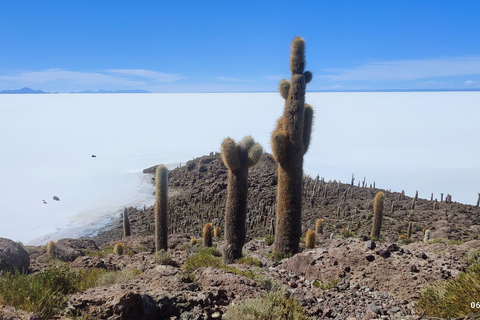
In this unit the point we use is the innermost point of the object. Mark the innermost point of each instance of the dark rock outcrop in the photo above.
(13, 256)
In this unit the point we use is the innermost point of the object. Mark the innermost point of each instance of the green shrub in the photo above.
(203, 258)
(445, 241)
(323, 285)
(274, 305)
(269, 239)
(47, 293)
(452, 298)
(163, 257)
(251, 261)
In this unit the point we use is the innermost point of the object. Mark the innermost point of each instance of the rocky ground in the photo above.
(345, 276)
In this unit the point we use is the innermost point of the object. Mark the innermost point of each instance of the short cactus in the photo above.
(216, 232)
(51, 249)
(161, 197)
(207, 235)
(237, 158)
(193, 241)
(290, 141)
(126, 224)
(118, 248)
(427, 236)
(409, 230)
(310, 239)
(378, 214)
(319, 226)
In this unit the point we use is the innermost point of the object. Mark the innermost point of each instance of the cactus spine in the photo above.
(207, 235)
(378, 214)
(161, 197)
(290, 141)
(126, 224)
(310, 239)
(237, 158)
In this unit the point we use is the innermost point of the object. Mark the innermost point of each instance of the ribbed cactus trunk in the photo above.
(377, 215)
(409, 230)
(161, 196)
(237, 158)
(290, 142)
(126, 224)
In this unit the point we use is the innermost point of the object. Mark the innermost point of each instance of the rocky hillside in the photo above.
(198, 195)
(346, 275)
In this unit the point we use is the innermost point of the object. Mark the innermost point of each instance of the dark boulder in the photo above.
(13, 256)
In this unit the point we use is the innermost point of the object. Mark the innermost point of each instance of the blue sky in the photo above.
(236, 46)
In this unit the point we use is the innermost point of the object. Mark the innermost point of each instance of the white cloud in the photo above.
(408, 69)
(154, 75)
(471, 83)
(119, 77)
(275, 78)
(233, 79)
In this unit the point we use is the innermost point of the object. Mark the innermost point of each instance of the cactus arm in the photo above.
(284, 88)
(280, 146)
(230, 156)
(307, 127)
(308, 76)
(254, 155)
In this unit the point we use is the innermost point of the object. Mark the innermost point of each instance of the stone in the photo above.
(13, 256)
(369, 257)
(370, 244)
(373, 308)
(393, 247)
(421, 255)
(384, 253)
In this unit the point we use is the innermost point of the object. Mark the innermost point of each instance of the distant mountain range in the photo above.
(31, 91)
(22, 91)
(116, 91)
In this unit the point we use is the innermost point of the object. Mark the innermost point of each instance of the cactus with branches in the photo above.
(290, 141)
(237, 157)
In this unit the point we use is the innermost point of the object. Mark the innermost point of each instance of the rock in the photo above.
(88, 263)
(373, 308)
(369, 257)
(370, 244)
(78, 244)
(393, 247)
(384, 253)
(13, 256)
(421, 255)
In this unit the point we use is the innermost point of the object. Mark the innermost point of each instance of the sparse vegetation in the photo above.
(277, 304)
(163, 257)
(269, 239)
(452, 298)
(46, 293)
(251, 261)
(323, 285)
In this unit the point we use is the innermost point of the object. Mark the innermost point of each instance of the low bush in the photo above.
(272, 306)
(452, 298)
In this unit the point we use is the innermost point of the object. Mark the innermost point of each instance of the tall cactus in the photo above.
(237, 158)
(161, 195)
(290, 141)
(377, 214)
(126, 224)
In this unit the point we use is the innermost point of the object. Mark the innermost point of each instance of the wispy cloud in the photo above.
(471, 83)
(120, 77)
(275, 78)
(408, 69)
(154, 75)
(233, 79)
